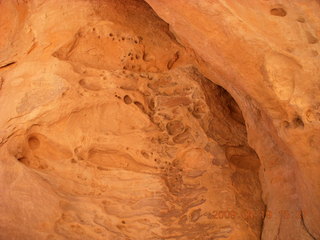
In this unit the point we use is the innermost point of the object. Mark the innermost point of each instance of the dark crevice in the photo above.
(7, 65)
(227, 127)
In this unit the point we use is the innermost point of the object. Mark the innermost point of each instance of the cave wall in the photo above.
(159, 119)
(266, 54)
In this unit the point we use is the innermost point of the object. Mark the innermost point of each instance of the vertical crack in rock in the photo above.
(306, 228)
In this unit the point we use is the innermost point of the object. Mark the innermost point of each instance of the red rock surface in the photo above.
(159, 120)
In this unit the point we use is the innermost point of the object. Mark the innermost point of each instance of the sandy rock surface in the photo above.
(159, 119)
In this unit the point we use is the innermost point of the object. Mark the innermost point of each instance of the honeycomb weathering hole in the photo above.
(33, 142)
(127, 99)
(280, 12)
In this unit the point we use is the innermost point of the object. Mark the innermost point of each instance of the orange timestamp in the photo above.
(246, 214)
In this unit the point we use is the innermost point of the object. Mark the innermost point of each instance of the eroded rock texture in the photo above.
(266, 54)
(117, 125)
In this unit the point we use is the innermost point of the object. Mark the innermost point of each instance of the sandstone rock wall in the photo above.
(266, 54)
(117, 124)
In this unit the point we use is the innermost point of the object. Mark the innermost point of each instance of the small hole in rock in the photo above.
(175, 127)
(33, 142)
(145, 154)
(127, 99)
(82, 82)
(280, 12)
(139, 105)
(297, 122)
(311, 39)
(23, 160)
